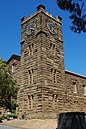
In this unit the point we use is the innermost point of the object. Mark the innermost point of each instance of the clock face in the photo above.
(30, 29)
(52, 28)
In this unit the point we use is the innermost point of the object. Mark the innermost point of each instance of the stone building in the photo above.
(45, 87)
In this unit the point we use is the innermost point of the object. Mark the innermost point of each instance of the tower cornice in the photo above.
(58, 19)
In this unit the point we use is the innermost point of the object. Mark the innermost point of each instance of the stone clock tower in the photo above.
(42, 66)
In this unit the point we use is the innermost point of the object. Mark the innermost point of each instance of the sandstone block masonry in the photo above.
(45, 87)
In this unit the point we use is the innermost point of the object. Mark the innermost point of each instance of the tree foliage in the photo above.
(8, 87)
(77, 11)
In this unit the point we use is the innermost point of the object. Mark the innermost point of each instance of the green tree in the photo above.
(8, 87)
(77, 10)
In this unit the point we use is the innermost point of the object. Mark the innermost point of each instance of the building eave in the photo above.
(75, 74)
(17, 57)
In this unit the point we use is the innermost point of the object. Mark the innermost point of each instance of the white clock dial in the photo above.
(30, 29)
(52, 28)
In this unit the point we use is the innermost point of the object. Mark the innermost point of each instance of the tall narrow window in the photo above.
(30, 102)
(74, 87)
(53, 48)
(53, 101)
(85, 90)
(30, 76)
(54, 75)
(13, 68)
(31, 47)
(30, 50)
(50, 45)
(57, 101)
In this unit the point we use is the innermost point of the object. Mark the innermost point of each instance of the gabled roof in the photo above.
(13, 57)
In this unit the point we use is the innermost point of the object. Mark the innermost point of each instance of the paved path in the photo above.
(6, 127)
(30, 124)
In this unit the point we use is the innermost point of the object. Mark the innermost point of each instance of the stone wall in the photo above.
(75, 85)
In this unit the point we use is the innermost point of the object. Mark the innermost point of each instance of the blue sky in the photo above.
(11, 11)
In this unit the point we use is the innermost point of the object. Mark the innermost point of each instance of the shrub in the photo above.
(14, 116)
(1, 119)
